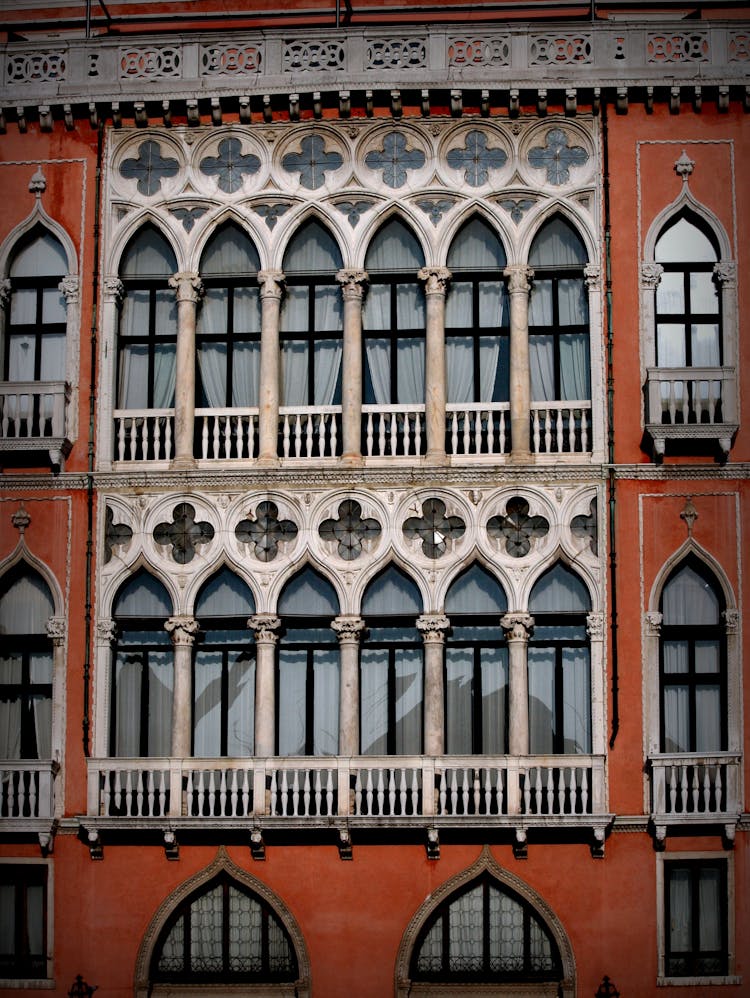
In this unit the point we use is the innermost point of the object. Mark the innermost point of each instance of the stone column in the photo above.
(266, 627)
(113, 291)
(103, 707)
(348, 629)
(518, 628)
(182, 631)
(271, 288)
(352, 288)
(520, 371)
(435, 386)
(433, 627)
(188, 290)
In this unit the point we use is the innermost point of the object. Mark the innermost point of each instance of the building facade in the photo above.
(374, 488)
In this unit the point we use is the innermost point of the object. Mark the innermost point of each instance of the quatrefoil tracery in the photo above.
(434, 528)
(350, 530)
(184, 533)
(266, 531)
(517, 528)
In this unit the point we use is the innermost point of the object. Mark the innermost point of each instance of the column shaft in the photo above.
(182, 631)
(188, 289)
(349, 630)
(270, 365)
(433, 628)
(352, 287)
(520, 370)
(266, 638)
(436, 281)
(518, 627)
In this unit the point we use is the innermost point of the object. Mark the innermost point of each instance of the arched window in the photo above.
(391, 667)
(692, 662)
(223, 933)
(25, 666)
(142, 670)
(476, 666)
(224, 669)
(307, 694)
(559, 665)
(148, 324)
(486, 933)
(311, 320)
(476, 317)
(559, 315)
(393, 318)
(228, 325)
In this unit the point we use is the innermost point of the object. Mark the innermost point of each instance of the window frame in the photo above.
(44, 873)
(559, 645)
(477, 646)
(308, 648)
(231, 284)
(23, 646)
(209, 624)
(414, 642)
(150, 339)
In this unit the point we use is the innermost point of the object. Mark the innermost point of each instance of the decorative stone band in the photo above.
(265, 626)
(348, 629)
(182, 630)
(433, 627)
(517, 626)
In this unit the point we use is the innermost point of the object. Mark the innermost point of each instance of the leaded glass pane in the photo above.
(670, 293)
(172, 954)
(280, 957)
(505, 932)
(245, 933)
(465, 932)
(430, 957)
(540, 948)
(206, 930)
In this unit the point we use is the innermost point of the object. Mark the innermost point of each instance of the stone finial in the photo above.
(689, 514)
(38, 183)
(684, 166)
(20, 519)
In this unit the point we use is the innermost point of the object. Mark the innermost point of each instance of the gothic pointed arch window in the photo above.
(559, 665)
(393, 318)
(391, 667)
(307, 677)
(35, 330)
(477, 317)
(26, 665)
(142, 670)
(692, 662)
(559, 315)
(224, 933)
(311, 320)
(147, 340)
(224, 669)
(228, 323)
(476, 666)
(485, 933)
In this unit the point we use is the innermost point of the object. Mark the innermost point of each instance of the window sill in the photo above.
(682, 982)
(27, 983)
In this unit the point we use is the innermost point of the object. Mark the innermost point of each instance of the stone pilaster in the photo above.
(271, 289)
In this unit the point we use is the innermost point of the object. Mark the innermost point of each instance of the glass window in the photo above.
(558, 316)
(228, 326)
(23, 920)
(25, 667)
(559, 665)
(147, 339)
(477, 317)
(692, 663)
(224, 933)
(142, 670)
(695, 910)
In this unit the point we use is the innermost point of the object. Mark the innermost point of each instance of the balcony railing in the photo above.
(26, 791)
(382, 790)
(561, 427)
(478, 429)
(310, 431)
(144, 434)
(695, 787)
(393, 430)
(691, 402)
(33, 416)
(226, 434)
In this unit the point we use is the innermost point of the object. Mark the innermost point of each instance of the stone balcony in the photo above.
(34, 416)
(694, 790)
(27, 797)
(396, 792)
(691, 404)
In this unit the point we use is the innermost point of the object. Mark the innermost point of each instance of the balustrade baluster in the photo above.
(233, 788)
(391, 791)
(287, 436)
(357, 792)
(306, 794)
(394, 433)
(308, 436)
(526, 791)
(144, 438)
(329, 791)
(295, 793)
(118, 790)
(477, 790)
(571, 431)
(368, 434)
(168, 439)
(322, 434)
(584, 431)
(381, 792)
(415, 792)
(417, 433)
(467, 431)
(718, 790)
(684, 790)
(560, 789)
(222, 775)
(672, 789)
(454, 792)
(402, 794)
(162, 794)
(536, 431)
(157, 438)
(465, 783)
(502, 433)
(454, 432)
(190, 793)
(696, 788)
(443, 791)
(274, 793)
(150, 795)
(297, 435)
(584, 791)
(706, 789)
(105, 791)
(31, 794)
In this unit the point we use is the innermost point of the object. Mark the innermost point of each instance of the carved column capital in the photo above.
(726, 273)
(651, 275)
(113, 290)
(519, 278)
(188, 286)
(70, 287)
(271, 283)
(56, 630)
(435, 279)
(348, 629)
(517, 626)
(182, 630)
(731, 621)
(352, 283)
(4, 291)
(595, 624)
(652, 622)
(265, 626)
(106, 630)
(592, 275)
(433, 627)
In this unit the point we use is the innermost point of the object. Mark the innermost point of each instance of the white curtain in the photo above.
(542, 363)
(574, 366)
(40, 672)
(475, 591)
(559, 591)
(294, 372)
(148, 255)
(160, 691)
(212, 365)
(459, 356)
(164, 375)
(307, 595)
(225, 595)
(459, 674)
(8, 919)
(494, 358)
(391, 593)
(326, 367)
(394, 249)
(541, 665)
(241, 705)
(557, 244)
(409, 671)
(378, 356)
(246, 374)
(709, 907)
(704, 344)
(410, 371)
(10, 710)
(26, 606)
(374, 698)
(326, 701)
(43, 256)
(680, 911)
(676, 698)
(207, 704)
(670, 344)
(689, 599)
(494, 671)
(576, 717)
(128, 674)
(292, 701)
(458, 306)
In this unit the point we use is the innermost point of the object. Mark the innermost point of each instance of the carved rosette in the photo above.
(433, 627)
(435, 279)
(70, 287)
(56, 630)
(517, 626)
(595, 625)
(519, 278)
(348, 629)
(271, 283)
(106, 630)
(652, 622)
(650, 276)
(265, 626)
(188, 286)
(352, 283)
(182, 630)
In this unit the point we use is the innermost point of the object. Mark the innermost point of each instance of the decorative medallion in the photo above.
(350, 530)
(271, 213)
(476, 159)
(266, 531)
(354, 210)
(188, 216)
(394, 159)
(434, 528)
(115, 534)
(231, 165)
(184, 534)
(149, 168)
(312, 162)
(516, 208)
(556, 157)
(517, 528)
(585, 525)
(435, 209)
